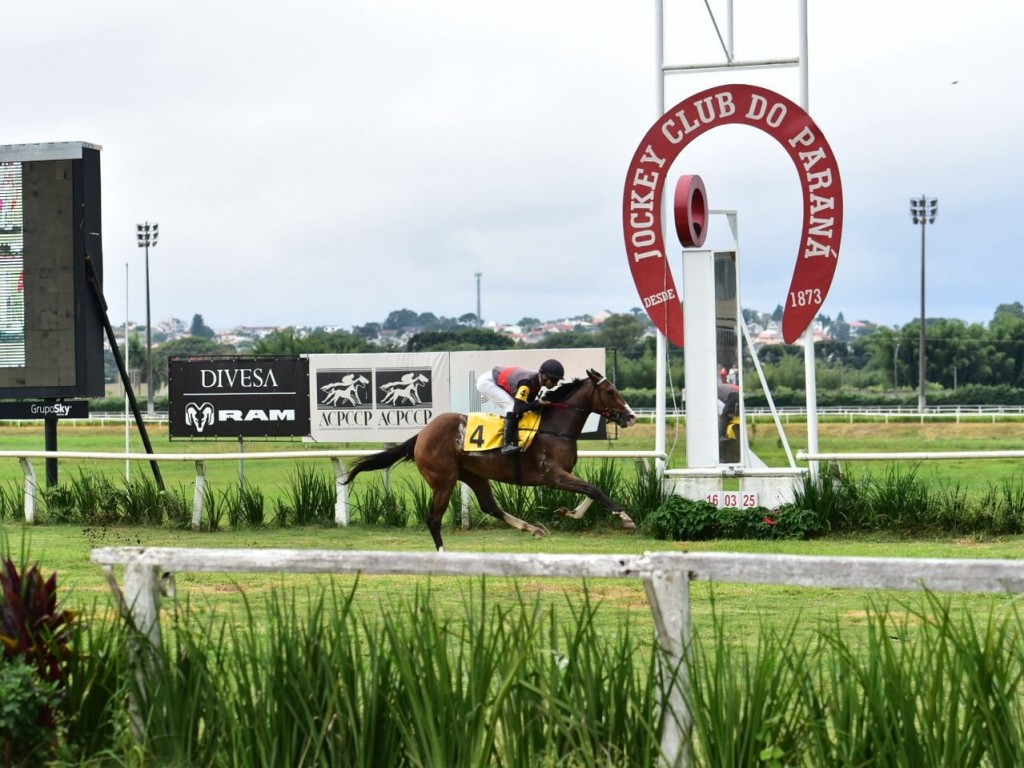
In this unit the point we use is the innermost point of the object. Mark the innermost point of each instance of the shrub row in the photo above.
(308, 498)
(787, 397)
(834, 502)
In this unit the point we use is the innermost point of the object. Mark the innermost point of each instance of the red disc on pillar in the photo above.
(691, 211)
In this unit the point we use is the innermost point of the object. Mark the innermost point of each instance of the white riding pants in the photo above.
(489, 390)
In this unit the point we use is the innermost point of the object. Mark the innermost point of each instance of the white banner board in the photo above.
(381, 398)
(388, 397)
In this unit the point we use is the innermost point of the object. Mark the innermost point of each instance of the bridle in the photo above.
(608, 413)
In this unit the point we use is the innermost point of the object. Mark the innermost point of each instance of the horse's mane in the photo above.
(563, 391)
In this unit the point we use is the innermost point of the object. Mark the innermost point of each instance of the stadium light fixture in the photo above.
(923, 211)
(147, 236)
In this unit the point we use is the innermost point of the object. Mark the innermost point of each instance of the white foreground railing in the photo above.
(342, 507)
(666, 577)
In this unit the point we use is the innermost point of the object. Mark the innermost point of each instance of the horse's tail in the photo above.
(384, 459)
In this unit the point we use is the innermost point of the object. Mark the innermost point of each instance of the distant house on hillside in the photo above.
(861, 328)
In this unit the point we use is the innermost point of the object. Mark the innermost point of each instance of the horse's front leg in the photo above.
(578, 512)
(566, 481)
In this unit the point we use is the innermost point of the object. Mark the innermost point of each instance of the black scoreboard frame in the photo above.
(62, 228)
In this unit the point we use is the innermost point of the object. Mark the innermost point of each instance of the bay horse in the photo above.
(438, 453)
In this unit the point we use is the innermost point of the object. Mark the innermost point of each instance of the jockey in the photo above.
(729, 405)
(515, 390)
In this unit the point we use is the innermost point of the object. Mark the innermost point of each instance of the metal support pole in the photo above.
(50, 442)
(149, 344)
(923, 211)
(921, 365)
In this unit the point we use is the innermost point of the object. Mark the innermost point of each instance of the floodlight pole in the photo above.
(922, 211)
(147, 235)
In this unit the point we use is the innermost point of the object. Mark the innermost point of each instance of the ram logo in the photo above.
(199, 416)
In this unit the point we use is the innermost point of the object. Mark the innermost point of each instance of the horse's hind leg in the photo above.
(488, 504)
(438, 506)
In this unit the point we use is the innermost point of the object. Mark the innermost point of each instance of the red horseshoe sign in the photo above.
(793, 128)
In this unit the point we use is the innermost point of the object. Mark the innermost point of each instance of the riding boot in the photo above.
(511, 434)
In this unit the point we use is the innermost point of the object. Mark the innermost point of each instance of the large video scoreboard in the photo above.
(51, 331)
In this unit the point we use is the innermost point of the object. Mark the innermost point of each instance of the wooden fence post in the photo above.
(142, 601)
(199, 496)
(341, 505)
(668, 590)
(31, 488)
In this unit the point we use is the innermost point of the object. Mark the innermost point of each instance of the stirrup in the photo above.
(510, 448)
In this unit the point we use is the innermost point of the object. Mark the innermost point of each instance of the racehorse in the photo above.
(549, 460)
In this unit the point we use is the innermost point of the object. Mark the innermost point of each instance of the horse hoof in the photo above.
(562, 512)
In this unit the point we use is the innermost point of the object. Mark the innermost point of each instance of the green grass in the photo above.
(65, 548)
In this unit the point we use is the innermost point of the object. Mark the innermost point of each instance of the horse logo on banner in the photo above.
(793, 128)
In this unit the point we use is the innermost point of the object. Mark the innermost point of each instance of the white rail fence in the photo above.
(850, 413)
(666, 577)
(342, 506)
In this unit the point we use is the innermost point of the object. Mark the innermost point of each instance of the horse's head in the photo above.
(608, 401)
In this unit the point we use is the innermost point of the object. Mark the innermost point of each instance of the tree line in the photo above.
(983, 363)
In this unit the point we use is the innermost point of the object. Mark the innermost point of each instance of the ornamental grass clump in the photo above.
(901, 501)
(922, 686)
(244, 505)
(12, 501)
(380, 504)
(914, 684)
(747, 704)
(143, 502)
(644, 492)
(307, 680)
(308, 498)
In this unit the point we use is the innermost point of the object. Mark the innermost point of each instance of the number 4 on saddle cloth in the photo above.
(484, 430)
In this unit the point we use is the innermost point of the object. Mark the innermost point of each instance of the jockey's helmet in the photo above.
(553, 369)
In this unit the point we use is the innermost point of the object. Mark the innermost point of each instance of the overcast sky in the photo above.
(324, 162)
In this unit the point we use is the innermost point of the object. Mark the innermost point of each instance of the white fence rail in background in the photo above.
(342, 507)
(850, 412)
(666, 577)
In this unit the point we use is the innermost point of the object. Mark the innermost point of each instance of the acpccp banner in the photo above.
(386, 397)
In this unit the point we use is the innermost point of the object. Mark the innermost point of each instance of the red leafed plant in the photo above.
(31, 625)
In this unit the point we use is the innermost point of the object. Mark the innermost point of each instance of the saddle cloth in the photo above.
(485, 431)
